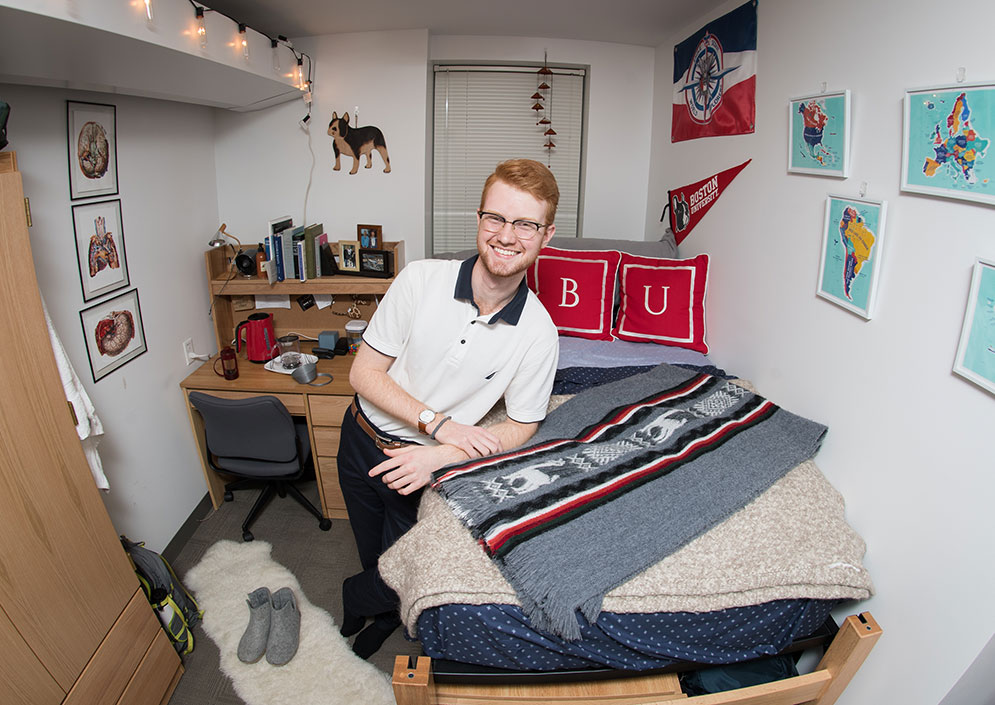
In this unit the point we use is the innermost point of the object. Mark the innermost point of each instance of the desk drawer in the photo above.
(328, 471)
(293, 402)
(327, 410)
(326, 440)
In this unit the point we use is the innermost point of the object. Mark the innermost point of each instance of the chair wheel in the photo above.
(247, 536)
(229, 497)
(325, 524)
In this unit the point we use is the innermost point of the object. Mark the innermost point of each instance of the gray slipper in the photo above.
(284, 632)
(252, 645)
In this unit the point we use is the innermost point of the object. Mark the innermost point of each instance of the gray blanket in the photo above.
(617, 479)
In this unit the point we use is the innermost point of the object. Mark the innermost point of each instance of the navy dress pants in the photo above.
(378, 516)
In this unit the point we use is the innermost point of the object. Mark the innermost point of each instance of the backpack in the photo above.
(177, 609)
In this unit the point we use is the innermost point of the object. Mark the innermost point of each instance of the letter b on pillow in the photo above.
(577, 287)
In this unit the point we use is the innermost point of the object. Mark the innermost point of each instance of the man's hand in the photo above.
(472, 440)
(410, 468)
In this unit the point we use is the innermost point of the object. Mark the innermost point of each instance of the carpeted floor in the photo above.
(319, 560)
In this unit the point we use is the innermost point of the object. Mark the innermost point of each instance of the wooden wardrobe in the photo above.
(74, 626)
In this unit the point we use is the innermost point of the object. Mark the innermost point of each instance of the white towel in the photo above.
(88, 426)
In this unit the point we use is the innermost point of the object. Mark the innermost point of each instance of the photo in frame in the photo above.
(819, 134)
(348, 256)
(113, 332)
(976, 350)
(100, 251)
(376, 263)
(947, 133)
(370, 237)
(851, 253)
(92, 146)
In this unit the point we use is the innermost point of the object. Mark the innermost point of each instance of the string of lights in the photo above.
(301, 76)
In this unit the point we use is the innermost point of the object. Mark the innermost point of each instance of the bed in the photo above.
(762, 574)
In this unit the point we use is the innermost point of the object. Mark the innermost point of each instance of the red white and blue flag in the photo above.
(715, 78)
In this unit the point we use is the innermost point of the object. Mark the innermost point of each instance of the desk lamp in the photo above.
(243, 262)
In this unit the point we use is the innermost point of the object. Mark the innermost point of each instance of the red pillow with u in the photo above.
(663, 301)
(577, 287)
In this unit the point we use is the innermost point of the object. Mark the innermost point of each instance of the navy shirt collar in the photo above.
(512, 311)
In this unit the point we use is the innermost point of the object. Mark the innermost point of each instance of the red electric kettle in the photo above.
(260, 338)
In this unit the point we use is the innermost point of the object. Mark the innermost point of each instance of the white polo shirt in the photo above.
(456, 361)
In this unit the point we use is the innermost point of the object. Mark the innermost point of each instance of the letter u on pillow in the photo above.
(663, 301)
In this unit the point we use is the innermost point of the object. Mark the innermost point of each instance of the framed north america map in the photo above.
(948, 132)
(819, 134)
(851, 253)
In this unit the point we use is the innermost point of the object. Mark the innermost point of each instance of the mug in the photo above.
(229, 363)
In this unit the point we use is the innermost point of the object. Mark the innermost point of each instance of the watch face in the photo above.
(426, 415)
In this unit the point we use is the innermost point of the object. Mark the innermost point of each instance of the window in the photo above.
(482, 116)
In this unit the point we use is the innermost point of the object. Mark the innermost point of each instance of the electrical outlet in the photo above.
(188, 351)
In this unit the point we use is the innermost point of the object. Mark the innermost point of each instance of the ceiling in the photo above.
(639, 22)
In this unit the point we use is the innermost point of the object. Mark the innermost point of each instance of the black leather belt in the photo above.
(382, 442)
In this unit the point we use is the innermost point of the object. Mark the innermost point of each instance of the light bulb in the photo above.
(299, 75)
(243, 41)
(276, 55)
(201, 27)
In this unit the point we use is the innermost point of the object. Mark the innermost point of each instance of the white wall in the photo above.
(909, 444)
(265, 161)
(169, 210)
(619, 126)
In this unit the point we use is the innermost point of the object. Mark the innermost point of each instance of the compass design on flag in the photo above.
(703, 85)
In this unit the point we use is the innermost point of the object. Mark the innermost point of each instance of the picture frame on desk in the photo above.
(348, 256)
(370, 237)
(376, 263)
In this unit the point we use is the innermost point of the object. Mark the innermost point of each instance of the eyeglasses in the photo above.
(524, 229)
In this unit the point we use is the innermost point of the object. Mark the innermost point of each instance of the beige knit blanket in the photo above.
(791, 542)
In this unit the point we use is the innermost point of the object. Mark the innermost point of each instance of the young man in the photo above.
(447, 342)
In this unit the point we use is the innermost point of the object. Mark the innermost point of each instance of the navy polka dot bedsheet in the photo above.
(501, 636)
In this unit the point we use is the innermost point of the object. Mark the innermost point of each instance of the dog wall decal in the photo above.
(355, 142)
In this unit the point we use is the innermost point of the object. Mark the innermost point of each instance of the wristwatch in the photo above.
(425, 418)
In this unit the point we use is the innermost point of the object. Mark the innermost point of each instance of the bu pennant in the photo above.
(689, 203)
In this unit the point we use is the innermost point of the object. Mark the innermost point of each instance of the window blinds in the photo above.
(482, 116)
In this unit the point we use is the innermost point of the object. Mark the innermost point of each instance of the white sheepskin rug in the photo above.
(323, 672)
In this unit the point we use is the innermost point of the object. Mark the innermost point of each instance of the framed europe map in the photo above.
(851, 253)
(947, 135)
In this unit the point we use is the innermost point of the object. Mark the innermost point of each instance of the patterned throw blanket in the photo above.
(618, 478)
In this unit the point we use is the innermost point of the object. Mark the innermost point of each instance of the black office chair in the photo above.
(257, 440)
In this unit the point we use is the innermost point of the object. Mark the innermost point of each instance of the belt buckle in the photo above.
(383, 444)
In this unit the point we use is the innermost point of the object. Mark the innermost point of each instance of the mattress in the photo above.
(479, 622)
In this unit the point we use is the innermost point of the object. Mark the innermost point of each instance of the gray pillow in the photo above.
(666, 247)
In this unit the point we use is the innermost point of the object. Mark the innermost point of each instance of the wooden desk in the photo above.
(322, 406)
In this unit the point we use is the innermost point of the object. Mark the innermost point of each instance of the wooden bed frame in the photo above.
(414, 683)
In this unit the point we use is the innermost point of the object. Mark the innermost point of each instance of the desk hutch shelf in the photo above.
(229, 290)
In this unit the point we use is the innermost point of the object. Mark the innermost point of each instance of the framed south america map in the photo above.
(947, 134)
(851, 253)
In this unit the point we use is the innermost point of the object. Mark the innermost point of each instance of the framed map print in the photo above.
(947, 135)
(851, 253)
(92, 136)
(819, 134)
(976, 351)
